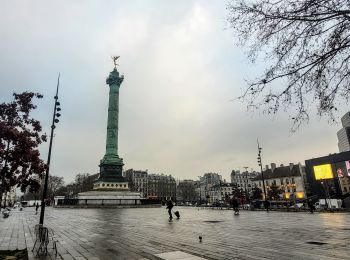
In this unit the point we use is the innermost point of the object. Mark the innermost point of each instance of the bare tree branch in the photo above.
(307, 43)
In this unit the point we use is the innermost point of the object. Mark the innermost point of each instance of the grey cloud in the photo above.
(181, 71)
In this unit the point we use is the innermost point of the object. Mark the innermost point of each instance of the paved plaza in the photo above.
(147, 234)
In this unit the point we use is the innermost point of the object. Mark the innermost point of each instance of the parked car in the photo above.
(6, 213)
(218, 204)
(246, 206)
(299, 205)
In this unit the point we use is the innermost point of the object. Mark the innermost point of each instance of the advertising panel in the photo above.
(323, 172)
(341, 170)
(347, 164)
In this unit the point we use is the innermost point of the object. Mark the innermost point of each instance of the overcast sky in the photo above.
(182, 69)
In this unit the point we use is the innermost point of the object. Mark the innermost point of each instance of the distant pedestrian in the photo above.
(267, 205)
(235, 205)
(36, 208)
(169, 206)
(311, 206)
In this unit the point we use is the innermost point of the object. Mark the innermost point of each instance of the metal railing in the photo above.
(103, 202)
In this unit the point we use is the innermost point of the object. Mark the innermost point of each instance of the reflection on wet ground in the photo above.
(147, 233)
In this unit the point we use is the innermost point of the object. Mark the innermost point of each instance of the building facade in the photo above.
(151, 186)
(138, 181)
(161, 187)
(205, 183)
(198, 190)
(9, 198)
(344, 134)
(220, 193)
(335, 182)
(283, 182)
(186, 191)
(244, 181)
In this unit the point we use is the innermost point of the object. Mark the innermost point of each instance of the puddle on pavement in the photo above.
(316, 243)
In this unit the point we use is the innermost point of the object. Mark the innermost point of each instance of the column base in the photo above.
(101, 185)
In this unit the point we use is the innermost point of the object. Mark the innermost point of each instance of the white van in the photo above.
(332, 203)
(17, 205)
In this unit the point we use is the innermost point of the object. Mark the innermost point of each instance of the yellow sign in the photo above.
(300, 195)
(323, 171)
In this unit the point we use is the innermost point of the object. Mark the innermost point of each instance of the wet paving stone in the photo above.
(148, 234)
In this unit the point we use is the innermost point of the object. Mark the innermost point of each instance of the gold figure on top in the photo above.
(114, 58)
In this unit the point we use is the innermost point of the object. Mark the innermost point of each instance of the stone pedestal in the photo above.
(101, 198)
(110, 178)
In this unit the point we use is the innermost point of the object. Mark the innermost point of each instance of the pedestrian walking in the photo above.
(169, 206)
(36, 208)
(311, 206)
(267, 205)
(235, 205)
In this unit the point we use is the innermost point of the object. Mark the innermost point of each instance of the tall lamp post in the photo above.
(262, 176)
(326, 190)
(175, 192)
(247, 195)
(200, 191)
(54, 120)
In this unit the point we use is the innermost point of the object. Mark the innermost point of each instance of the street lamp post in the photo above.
(200, 191)
(262, 176)
(175, 193)
(247, 199)
(326, 190)
(54, 120)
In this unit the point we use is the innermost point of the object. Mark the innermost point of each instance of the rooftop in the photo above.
(280, 172)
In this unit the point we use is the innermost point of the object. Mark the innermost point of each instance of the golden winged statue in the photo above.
(114, 58)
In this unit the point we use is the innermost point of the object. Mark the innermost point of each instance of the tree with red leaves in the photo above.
(20, 137)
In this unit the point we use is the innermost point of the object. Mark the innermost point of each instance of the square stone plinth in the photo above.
(109, 198)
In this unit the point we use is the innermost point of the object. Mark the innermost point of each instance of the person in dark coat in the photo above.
(311, 206)
(169, 206)
(235, 205)
(267, 204)
(36, 208)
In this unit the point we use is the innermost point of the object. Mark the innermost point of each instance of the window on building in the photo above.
(287, 181)
(293, 182)
(274, 182)
(281, 181)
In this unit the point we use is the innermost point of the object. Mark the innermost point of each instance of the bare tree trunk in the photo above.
(5, 200)
(2, 187)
